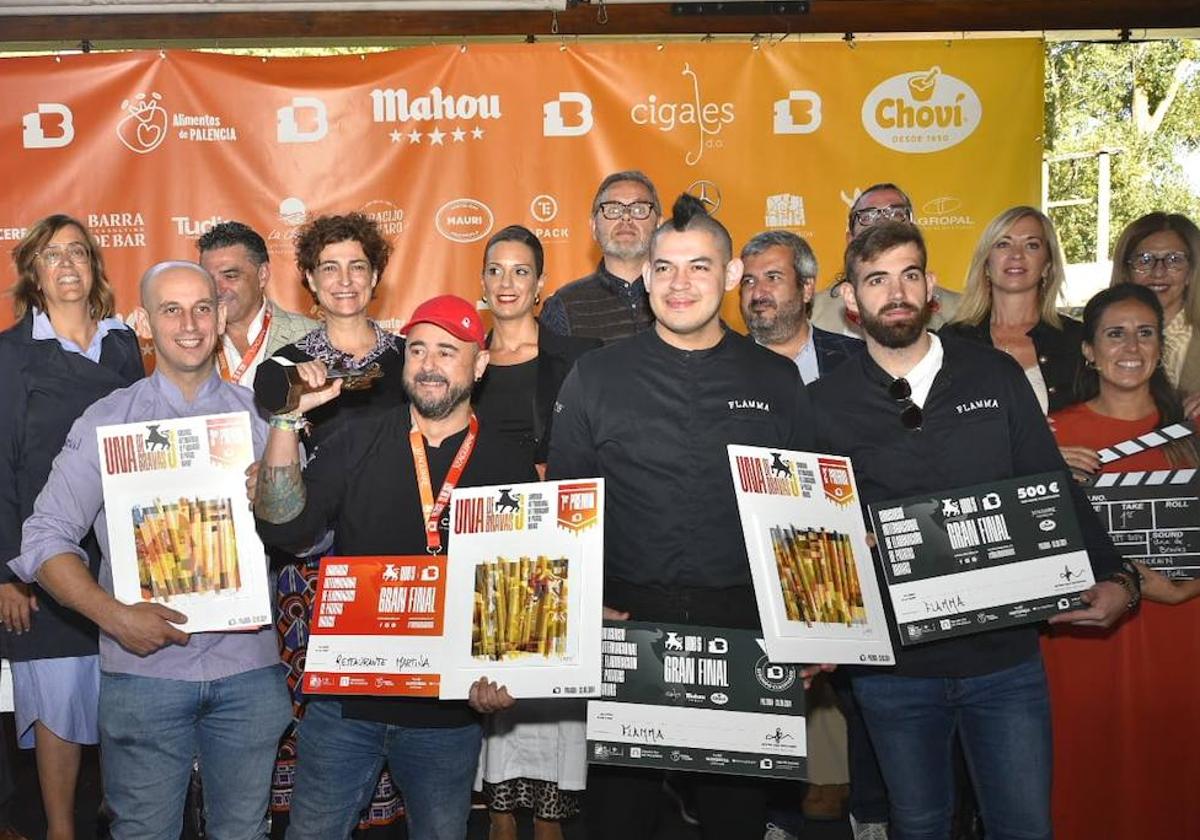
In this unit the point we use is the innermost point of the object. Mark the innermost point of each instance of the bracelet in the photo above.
(293, 422)
(1131, 586)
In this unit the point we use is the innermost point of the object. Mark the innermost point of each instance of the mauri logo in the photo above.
(464, 220)
(144, 127)
(921, 112)
(708, 117)
(306, 120)
(809, 109)
(784, 210)
(554, 123)
(34, 128)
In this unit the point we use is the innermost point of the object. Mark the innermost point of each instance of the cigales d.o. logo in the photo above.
(921, 112)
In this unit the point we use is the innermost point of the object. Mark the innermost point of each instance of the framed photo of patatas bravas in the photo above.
(814, 580)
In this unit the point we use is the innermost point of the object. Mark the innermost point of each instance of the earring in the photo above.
(1089, 364)
(536, 298)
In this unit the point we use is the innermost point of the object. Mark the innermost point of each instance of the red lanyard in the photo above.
(223, 364)
(431, 511)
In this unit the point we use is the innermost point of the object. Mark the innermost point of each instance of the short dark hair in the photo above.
(637, 176)
(879, 239)
(885, 185)
(228, 234)
(329, 230)
(688, 213)
(524, 236)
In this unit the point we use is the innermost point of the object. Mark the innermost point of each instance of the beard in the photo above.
(626, 250)
(776, 324)
(897, 334)
(435, 409)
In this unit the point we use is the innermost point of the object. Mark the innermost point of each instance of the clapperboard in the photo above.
(1153, 517)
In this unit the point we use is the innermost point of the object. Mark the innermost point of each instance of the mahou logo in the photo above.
(921, 112)
(145, 125)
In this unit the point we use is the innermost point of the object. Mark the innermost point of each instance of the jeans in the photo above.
(868, 795)
(338, 762)
(151, 729)
(1003, 722)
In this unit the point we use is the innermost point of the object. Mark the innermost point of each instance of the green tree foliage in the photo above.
(1141, 100)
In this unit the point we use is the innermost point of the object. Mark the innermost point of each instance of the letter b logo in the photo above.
(553, 124)
(33, 131)
(288, 128)
(786, 117)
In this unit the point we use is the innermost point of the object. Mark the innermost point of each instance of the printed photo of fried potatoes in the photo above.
(520, 609)
(817, 576)
(185, 547)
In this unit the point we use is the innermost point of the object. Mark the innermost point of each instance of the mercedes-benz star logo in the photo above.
(708, 193)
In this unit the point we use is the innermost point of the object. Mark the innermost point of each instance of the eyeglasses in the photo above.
(1172, 261)
(910, 413)
(892, 213)
(638, 210)
(74, 253)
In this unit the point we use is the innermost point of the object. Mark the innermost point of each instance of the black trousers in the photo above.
(623, 803)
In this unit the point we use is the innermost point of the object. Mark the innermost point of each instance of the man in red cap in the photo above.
(374, 483)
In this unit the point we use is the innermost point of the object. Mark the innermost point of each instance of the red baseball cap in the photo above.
(453, 314)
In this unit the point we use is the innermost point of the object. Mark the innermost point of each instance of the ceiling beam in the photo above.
(647, 19)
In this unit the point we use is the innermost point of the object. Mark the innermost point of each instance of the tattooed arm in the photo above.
(280, 494)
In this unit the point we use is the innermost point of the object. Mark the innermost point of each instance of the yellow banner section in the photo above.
(444, 145)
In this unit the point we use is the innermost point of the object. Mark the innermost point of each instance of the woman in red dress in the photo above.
(1124, 702)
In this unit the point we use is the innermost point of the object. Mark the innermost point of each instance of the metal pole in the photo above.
(1103, 196)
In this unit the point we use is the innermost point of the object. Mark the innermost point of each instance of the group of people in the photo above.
(628, 374)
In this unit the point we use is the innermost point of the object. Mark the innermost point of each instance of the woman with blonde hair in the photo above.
(66, 351)
(1011, 299)
(1161, 251)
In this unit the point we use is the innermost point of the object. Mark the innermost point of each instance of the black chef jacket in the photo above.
(654, 421)
(982, 423)
(362, 482)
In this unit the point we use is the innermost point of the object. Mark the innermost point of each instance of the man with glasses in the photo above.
(884, 202)
(921, 414)
(611, 302)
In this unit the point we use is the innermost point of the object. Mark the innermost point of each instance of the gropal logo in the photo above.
(921, 112)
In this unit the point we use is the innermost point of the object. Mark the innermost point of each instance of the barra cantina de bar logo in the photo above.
(921, 112)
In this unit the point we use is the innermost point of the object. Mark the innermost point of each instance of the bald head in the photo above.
(154, 272)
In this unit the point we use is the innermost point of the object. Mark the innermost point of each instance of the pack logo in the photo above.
(306, 120)
(34, 127)
(799, 113)
(921, 112)
(120, 229)
(784, 210)
(394, 105)
(464, 220)
(554, 124)
(944, 212)
(144, 127)
(707, 118)
(544, 210)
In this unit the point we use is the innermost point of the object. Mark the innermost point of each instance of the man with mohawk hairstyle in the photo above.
(653, 415)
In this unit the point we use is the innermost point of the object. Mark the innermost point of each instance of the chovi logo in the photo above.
(921, 112)
(464, 220)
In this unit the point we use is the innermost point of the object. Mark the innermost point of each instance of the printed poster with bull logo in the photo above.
(983, 557)
(525, 588)
(701, 699)
(818, 597)
(180, 529)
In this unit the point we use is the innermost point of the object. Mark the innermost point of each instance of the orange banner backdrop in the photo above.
(443, 145)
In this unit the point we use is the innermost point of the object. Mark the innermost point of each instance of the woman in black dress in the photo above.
(534, 754)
